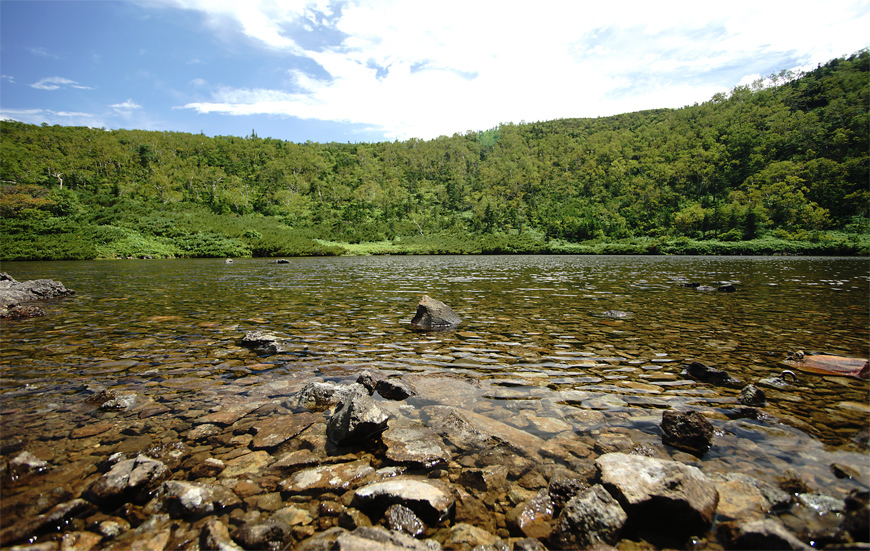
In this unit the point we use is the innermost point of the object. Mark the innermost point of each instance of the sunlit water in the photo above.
(532, 337)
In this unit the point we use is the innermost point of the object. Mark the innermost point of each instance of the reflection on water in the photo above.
(532, 337)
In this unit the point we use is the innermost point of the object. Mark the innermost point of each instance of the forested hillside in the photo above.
(784, 163)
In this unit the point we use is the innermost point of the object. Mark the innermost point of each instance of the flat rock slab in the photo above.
(250, 463)
(415, 446)
(654, 492)
(431, 500)
(276, 430)
(828, 364)
(466, 426)
(328, 478)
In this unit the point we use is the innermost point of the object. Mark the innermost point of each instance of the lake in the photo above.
(533, 345)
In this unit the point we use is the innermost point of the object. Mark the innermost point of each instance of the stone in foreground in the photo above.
(687, 431)
(656, 492)
(430, 500)
(589, 518)
(434, 315)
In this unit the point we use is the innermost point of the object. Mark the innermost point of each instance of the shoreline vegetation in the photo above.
(777, 167)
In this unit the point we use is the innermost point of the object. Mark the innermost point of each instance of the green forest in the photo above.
(778, 167)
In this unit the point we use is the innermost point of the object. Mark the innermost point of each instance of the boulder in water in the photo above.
(434, 315)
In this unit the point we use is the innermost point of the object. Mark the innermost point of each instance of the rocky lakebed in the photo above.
(310, 459)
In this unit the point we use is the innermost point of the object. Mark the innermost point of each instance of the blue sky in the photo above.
(385, 70)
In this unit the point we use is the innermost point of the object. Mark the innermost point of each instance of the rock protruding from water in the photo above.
(130, 478)
(687, 430)
(320, 396)
(356, 417)
(434, 315)
(751, 395)
(655, 492)
(13, 293)
(591, 517)
(707, 374)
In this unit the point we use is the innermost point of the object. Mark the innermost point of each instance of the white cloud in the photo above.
(418, 69)
(126, 106)
(55, 83)
(48, 116)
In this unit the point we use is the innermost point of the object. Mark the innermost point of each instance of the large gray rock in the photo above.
(356, 417)
(131, 478)
(434, 315)
(431, 500)
(590, 517)
(13, 293)
(660, 495)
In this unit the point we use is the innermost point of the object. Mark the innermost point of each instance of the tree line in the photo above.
(786, 156)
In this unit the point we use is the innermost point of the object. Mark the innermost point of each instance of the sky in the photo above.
(385, 70)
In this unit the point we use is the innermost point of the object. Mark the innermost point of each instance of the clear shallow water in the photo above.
(531, 339)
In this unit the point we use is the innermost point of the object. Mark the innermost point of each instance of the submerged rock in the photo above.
(707, 374)
(434, 315)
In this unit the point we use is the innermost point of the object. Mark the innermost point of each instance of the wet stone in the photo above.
(767, 533)
(296, 460)
(215, 535)
(687, 431)
(431, 500)
(263, 534)
(276, 430)
(532, 518)
(590, 517)
(26, 463)
(249, 463)
(203, 432)
(415, 446)
(190, 499)
(356, 417)
(328, 478)
(751, 395)
(131, 476)
(208, 468)
(655, 491)
(89, 430)
(320, 396)
(402, 519)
